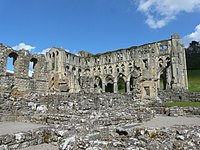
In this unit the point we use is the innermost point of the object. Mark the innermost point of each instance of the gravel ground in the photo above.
(14, 127)
(42, 147)
(166, 121)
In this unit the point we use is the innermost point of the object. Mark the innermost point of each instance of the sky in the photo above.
(95, 26)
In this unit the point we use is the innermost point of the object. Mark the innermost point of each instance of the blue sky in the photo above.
(96, 25)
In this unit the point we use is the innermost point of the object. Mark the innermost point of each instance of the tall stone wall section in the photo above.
(20, 81)
(142, 71)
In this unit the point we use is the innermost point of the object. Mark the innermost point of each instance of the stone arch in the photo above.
(163, 80)
(122, 67)
(117, 68)
(32, 66)
(110, 70)
(168, 61)
(87, 72)
(105, 69)
(121, 83)
(67, 68)
(11, 62)
(164, 64)
(53, 63)
(109, 80)
(98, 84)
(79, 71)
(74, 70)
(130, 66)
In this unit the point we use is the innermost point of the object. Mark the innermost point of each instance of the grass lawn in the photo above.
(194, 80)
(183, 104)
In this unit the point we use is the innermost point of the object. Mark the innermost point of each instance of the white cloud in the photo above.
(23, 46)
(44, 51)
(10, 71)
(194, 36)
(161, 12)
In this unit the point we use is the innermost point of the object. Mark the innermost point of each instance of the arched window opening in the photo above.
(147, 90)
(131, 83)
(123, 67)
(110, 70)
(74, 70)
(66, 57)
(160, 62)
(105, 70)
(53, 54)
(53, 61)
(79, 72)
(163, 81)
(121, 84)
(67, 68)
(163, 47)
(168, 61)
(145, 63)
(109, 84)
(32, 66)
(130, 67)
(98, 84)
(109, 88)
(12, 57)
(99, 70)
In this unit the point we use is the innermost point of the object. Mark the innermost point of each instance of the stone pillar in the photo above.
(115, 87)
(103, 87)
(128, 86)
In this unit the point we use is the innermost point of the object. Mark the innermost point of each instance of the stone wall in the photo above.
(26, 139)
(178, 95)
(20, 79)
(178, 111)
(177, 137)
(79, 108)
(138, 70)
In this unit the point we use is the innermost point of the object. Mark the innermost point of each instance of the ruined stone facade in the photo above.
(141, 70)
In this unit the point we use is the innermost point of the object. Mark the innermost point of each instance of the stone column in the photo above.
(128, 86)
(115, 87)
(103, 87)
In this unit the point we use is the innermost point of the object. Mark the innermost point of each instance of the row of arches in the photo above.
(121, 84)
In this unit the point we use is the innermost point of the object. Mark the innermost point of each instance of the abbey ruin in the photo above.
(139, 70)
(76, 102)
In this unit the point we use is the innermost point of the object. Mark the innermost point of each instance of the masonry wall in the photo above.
(141, 70)
(19, 80)
(144, 70)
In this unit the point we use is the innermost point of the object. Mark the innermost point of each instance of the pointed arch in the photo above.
(32, 66)
(109, 84)
(121, 83)
(11, 62)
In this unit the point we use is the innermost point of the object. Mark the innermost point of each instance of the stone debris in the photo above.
(88, 121)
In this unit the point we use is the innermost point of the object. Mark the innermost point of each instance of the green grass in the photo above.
(183, 104)
(194, 80)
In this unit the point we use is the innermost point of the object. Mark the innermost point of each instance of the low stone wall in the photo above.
(26, 139)
(178, 111)
(22, 85)
(178, 95)
(75, 108)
